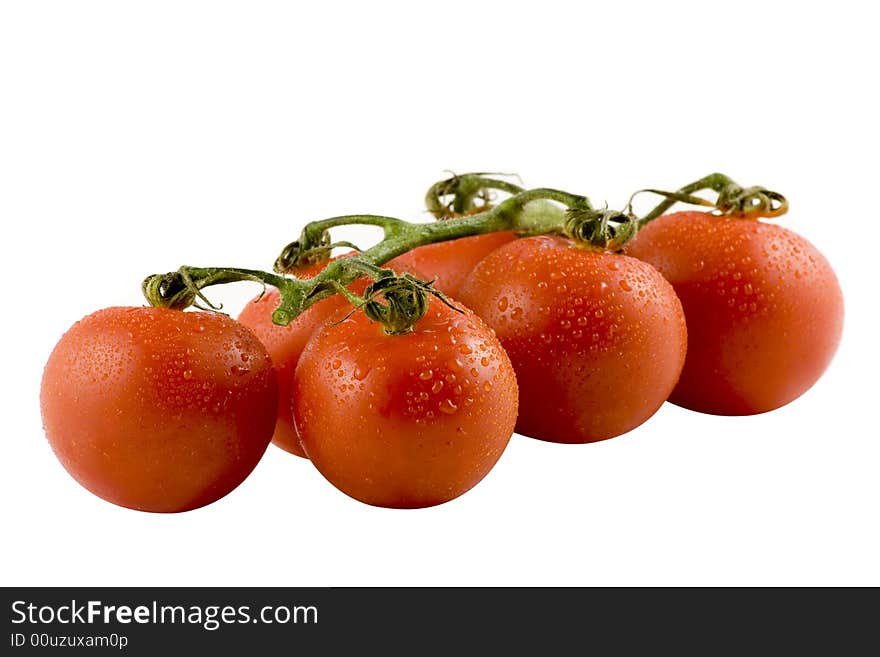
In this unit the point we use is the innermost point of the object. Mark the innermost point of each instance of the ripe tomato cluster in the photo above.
(411, 402)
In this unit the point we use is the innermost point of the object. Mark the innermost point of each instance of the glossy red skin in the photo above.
(405, 421)
(156, 409)
(449, 262)
(286, 343)
(763, 306)
(597, 339)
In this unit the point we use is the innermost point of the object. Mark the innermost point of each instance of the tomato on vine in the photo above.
(410, 402)
(408, 420)
(597, 339)
(285, 344)
(763, 306)
(157, 409)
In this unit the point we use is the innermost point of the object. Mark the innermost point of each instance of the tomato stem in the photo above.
(732, 200)
(182, 288)
(464, 190)
(525, 212)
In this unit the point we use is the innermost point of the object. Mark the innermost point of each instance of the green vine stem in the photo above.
(733, 199)
(597, 229)
(464, 190)
(525, 212)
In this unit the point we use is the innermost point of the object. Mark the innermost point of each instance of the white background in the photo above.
(136, 137)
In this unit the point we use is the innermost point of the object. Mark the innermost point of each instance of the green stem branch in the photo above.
(733, 199)
(464, 189)
(182, 288)
(714, 181)
(526, 212)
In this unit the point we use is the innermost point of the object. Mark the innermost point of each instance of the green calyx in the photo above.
(606, 230)
(399, 301)
(168, 291)
(745, 202)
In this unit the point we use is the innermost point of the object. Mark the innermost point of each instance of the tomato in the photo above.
(157, 409)
(449, 262)
(286, 343)
(405, 421)
(597, 339)
(763, 306)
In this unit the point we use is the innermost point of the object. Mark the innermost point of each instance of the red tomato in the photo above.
(763, 306)
(156, 409)
(597, 339)
(449, 262)
(286, 343)
(410, 420)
